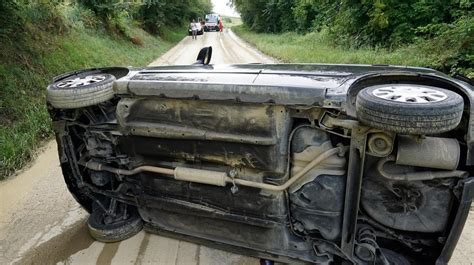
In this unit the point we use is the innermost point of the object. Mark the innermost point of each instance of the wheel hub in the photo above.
(409, 94)
(81, 81)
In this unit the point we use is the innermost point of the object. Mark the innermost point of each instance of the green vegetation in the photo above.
(317, 47)
(441, 31)
(230, 22)
(42, 39)
(156, 14)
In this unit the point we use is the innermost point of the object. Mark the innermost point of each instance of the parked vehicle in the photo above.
(212, 22)
(318, 163)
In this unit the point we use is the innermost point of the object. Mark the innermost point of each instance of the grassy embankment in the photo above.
(318, 47)
(230, 22)
(43, 50)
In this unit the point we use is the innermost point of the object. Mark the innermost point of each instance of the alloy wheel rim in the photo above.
(409, 94)
(81, 81)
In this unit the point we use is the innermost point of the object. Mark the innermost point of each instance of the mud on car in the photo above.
(298, 163)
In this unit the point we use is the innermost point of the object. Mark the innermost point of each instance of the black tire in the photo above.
(116, 231)
(96, 90)
(439, 115)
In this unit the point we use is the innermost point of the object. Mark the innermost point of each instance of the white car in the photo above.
(212, 22)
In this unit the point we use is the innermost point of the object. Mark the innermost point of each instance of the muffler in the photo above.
(430, 152)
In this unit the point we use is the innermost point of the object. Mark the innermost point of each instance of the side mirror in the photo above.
(204, 56)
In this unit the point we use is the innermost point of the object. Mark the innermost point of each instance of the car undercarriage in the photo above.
(320, 164)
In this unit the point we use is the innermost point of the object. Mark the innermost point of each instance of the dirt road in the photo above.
(40, 223)
(227, 48)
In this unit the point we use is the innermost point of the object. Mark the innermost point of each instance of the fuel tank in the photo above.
(215, 134)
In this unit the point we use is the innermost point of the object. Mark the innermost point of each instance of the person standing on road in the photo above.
(193, 27)
(221, 26)
(203, 24)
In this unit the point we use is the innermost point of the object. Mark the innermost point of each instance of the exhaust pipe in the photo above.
(417, 176)
(430, 152)
(214, 177)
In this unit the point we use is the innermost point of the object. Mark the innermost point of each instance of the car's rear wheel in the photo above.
(81, 90)
(106, 228)
(409, 109)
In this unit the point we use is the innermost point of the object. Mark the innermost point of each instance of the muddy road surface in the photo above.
(40, 222)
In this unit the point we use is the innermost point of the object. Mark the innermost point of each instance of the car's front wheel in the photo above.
(409, 108)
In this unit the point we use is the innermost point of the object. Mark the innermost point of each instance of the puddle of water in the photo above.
(75, 214)
(60, 247)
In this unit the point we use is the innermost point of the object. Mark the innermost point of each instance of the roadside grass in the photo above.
(317, 47)
(28, 64)
(230, 22)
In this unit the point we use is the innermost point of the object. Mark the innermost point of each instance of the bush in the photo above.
(441, 30)
(450, 46)
(312, 15)
(80, 17)
(267, 15)
(155, 15)
(104, 9)
(10, 20)
(387, 23)
(46, 15)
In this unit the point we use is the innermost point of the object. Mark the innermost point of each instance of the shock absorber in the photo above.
(366, 245)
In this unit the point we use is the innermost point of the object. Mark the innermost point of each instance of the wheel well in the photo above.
(379, 79)
(118, 72)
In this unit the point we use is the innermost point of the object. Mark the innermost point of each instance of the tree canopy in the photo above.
(373, 22)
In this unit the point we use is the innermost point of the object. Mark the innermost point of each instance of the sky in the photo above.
(221, 7)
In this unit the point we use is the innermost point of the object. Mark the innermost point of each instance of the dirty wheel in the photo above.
(81, 90)
(409, 109)
(106, 228)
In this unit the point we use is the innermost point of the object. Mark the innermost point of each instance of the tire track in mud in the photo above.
(230, 55)
(142, 249)
(108, 253)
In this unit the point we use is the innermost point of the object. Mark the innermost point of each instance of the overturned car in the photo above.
(299, 163)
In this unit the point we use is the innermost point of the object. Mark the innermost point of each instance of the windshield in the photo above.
(211, 18)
